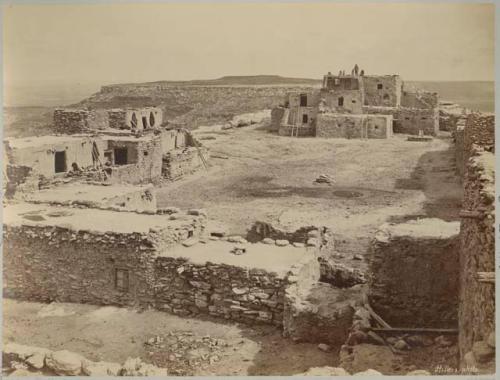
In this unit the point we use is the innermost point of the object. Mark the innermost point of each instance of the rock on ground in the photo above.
(65, 362)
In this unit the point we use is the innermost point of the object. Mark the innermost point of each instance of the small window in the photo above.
(145, 153)
(337, 81)
(190, 233)
(407, 118)
(305, 118)
(144, 122)
(303, 100)
(341, 101)
(424, 118)
(353, 101)
(121, 279)
(386, 96)
(380, 86)
(151, 119)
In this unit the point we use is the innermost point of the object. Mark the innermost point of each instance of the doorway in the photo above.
(121, 156)
(60, 162)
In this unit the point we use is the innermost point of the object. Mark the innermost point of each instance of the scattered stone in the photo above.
(357, 257)
(312, 242)
(443, 341)
(36, 361)
(362, 313)
(470, 360)
(136, 367)
(190, 242)
(282, 243)
(236, 239)
(197, 212)
(90, 368)
(324, 178)
(356, 337)
(298, 245)
(239, 249)
(483, 352)
(324, 347)
(391, 340)
(419, 341)
(64, 362)
(401, 345)
(268, 241)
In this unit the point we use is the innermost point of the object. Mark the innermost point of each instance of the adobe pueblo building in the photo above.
(114, 146)
(357, 106)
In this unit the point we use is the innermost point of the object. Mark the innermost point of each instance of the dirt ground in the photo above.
(256, 175)
(113, 334)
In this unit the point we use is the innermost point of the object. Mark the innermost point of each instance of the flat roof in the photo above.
(28, 142)
(268, 257)
(86, 218)
(85, 193)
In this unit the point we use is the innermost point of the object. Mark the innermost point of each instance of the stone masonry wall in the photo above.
(57, 264)
(390, 93)
(353, 126)
(412, 120)
(414, 279)
(240, 294)
(70, 121)
(477, 251)
(479, 130)
(180, 162)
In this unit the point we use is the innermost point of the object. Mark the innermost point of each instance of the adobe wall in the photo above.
(414, 273)
(145, 161)
(352, 101)
(419, 99)
(180, 162)
(411, 120)
(388, 96)
(353, 126)
(41, 158)
(136, 119)
(172, 139)
(477, 251)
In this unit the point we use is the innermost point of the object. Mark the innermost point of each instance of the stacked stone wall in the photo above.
(230, 292)
(477, 251)
(353, 126)
(180, 162)
(70, 121)
(412, 120)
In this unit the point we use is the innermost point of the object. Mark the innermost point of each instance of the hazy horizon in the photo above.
(55, 44)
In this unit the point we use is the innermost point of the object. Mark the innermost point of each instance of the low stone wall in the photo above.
(414, 273)
(230, 292)
(353, 126)
(459, 148)
(180, 162)
(69, 121)
(479, 130)
(477, 251)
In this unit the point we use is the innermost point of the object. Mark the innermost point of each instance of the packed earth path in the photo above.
(255, 175)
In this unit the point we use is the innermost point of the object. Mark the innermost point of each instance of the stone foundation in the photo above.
(180, 162)
(353, 126)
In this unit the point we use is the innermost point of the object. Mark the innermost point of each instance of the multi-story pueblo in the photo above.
(331, 225)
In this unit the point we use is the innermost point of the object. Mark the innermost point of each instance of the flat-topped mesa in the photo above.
(342, 98)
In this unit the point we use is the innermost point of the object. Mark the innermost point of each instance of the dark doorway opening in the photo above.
(151, 119)
(303, 100)
(121, 156)
(60, 162)
(133, 122)
(144, 122)
(305, 119)
(341, 101)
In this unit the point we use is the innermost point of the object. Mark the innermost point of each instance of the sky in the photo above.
(113, 43)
